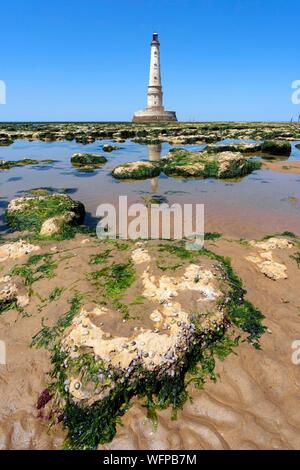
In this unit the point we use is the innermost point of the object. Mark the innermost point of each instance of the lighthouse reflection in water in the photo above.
(154, 154)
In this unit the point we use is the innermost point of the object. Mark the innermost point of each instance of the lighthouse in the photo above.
(154, 111)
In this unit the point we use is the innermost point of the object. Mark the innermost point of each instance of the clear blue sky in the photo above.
(89, 59)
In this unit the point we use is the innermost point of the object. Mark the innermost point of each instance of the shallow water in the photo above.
(260, 203)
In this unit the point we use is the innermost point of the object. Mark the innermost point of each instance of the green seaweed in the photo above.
(138, 300)
(296, 257)
(115, 278)
(100, 258)
(36, 268)
(55, 294)
(48, 334)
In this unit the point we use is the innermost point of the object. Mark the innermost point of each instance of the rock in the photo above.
(151, 351)
(234, 164)
(87, 160)
(240, 147)
(22, 301)
(109, 148)
(7, 164)
(136, 170)
(140, 255)
(276, 147)
(272, 243)
(55, 225)
(273, 270)
(30, 212)
(15, 250)
(264, 259)
(205, 164)
(8, 292)
(156, 316)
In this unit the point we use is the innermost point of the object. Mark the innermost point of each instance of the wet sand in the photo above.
(283, 167)
(253, 405)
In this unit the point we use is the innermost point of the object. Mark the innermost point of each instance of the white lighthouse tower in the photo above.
(155, 110)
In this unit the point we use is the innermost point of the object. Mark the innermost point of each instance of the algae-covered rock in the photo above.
(30, 212)
(179, 316)
(205, 164)
(7, 164)
(242, 147)
(87, 160)
(276, 147)
(109, 147)
(137, 170)
(234, 164)
(5, 140)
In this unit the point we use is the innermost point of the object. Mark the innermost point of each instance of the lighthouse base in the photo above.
(146, 115)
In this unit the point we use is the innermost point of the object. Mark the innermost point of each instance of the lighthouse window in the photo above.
(155, 65)
(155, 78)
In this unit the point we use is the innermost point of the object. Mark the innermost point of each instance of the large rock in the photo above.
(136, 170)
(180, 162)
(276, 147)
(30, 212)
(87, 160)
(168, 329)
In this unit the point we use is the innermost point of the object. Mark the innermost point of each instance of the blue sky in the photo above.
(89, 59)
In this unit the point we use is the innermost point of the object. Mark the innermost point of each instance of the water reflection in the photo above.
(154, 154)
